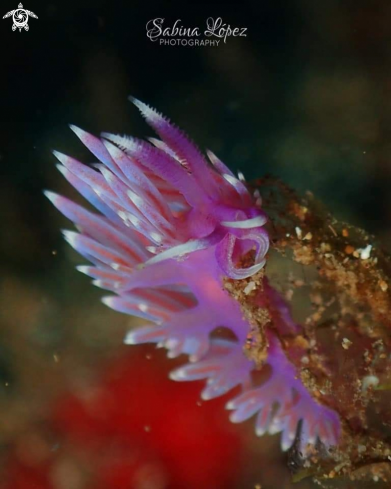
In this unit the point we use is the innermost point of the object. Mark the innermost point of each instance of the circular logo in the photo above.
(20, 19)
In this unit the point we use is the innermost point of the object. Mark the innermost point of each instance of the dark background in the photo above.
(306, 96)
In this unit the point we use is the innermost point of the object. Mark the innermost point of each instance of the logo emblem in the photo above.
(20, 16)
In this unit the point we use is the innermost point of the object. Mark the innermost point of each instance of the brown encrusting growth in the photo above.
(337, 283)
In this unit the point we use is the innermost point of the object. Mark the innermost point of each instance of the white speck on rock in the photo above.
(369, 381)
(365, 253)
(249, 287)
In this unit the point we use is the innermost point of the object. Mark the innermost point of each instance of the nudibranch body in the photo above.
(171, 228)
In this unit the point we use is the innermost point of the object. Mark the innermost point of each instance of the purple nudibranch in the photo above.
(171, 226)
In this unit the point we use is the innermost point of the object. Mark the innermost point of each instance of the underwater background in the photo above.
(306, 97)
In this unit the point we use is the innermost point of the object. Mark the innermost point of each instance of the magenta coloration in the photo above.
(171, 227)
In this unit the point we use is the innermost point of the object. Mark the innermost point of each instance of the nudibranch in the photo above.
(172, 227)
